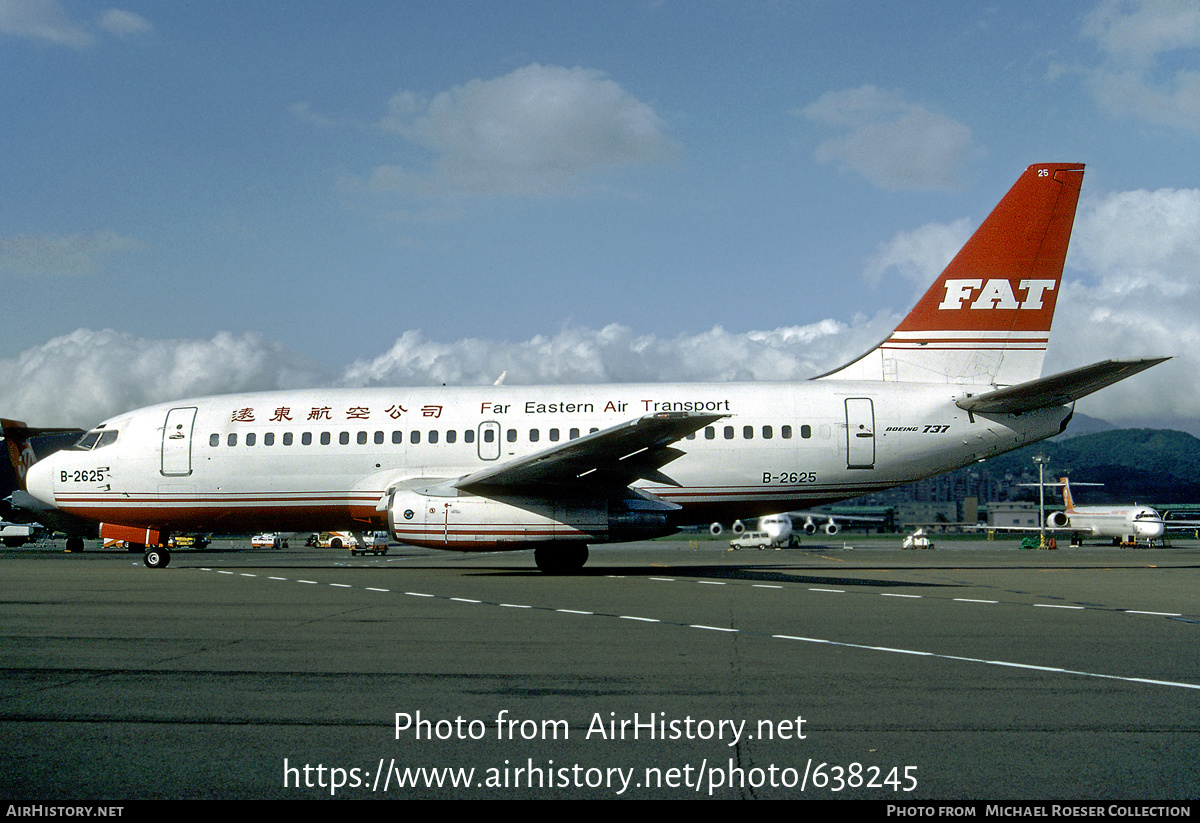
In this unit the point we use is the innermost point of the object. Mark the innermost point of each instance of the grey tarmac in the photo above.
(844, 669)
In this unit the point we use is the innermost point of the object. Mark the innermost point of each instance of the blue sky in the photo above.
(225, 196)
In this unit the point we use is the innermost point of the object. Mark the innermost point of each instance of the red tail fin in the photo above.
(986, 319)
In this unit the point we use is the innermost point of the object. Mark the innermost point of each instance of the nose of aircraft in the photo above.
(39, 481)
(1151, 529)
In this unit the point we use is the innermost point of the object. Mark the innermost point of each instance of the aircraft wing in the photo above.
(1057, 389)
(606, 460)
(1182, 524)
(1027, 529)
(849, 518)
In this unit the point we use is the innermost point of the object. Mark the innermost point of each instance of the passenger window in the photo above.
(250, 439)
(306, 439)
(729, 432)
(768, 432)
(451, 436)
(511, 435)
(554, 435)
(806, 432)
(325, 438)
(710, 433)
(414, 437)
(344, 438)
(489, 436)
(378, 438)
(269, 439)
(574, 433)
(397, 437)
(362, 438)
(533, 435)
(214, 440)
(469, 436)
(232, 440)
(785, 432)
(433, 436)
(748, 432)
(287, 438)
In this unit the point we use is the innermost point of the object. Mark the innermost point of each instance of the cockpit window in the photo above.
(86, 442)
(97, 438)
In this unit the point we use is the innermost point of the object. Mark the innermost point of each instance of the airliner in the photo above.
(558, 468)
(781, 527)
(778, 530)
(1128, 524)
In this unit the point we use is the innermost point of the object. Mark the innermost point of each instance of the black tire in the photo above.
(157, 558)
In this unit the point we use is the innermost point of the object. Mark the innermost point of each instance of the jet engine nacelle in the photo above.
(831, 528)
(472, 523)
(1057, 520)
(715, 529)
(809, 526)
(738, 527)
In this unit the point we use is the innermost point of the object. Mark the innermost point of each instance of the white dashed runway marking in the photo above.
(795, 638)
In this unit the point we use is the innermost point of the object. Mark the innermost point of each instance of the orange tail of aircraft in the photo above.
(1068, 503)
(986, 319)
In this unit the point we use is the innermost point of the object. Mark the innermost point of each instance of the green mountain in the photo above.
(1135, 465)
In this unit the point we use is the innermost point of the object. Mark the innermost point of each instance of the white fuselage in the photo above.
(327, 459)
(1131, 523)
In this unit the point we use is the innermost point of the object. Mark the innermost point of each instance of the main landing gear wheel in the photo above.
(74, 544)
(157, 558)
(566, 558)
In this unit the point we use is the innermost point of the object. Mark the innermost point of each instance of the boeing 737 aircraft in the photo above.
(558, 468)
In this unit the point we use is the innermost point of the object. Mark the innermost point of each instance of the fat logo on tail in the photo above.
(986, 320)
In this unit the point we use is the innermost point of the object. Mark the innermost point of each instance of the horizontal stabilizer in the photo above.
(1057, 389)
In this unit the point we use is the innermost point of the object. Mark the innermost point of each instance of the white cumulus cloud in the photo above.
(1138, 40)
(49, 22)
(124, 23)
(616, 354)
(42, 20)
(892, 142)
(84, 377)
(920, 255)
(45, 254)
(541, 130)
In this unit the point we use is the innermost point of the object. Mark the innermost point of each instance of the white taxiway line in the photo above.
(818, 640)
